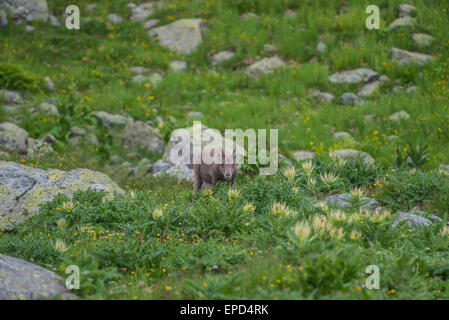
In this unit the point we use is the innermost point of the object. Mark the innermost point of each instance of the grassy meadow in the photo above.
(268, 237)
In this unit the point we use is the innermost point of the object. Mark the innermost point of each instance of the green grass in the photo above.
(226, 252)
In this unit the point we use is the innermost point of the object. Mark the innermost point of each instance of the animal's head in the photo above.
(227, 164)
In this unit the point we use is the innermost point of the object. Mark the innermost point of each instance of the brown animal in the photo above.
(218, 170)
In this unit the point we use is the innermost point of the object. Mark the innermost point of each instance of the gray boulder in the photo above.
(405, 10)
(178, 66)
(25, 10)
(422, 39)
(182, 36)
(408, 57)
(321, 96)
(13, 138)
(301, 155)
(350, 99)
(9, 96)
(111, 119)
(139, 135)
(360, 75)
(402, 22)
(222, 56)
(368, 89)
(22, 280)
(352, 154)
(344, 200)
(265, 66)
(23, 189)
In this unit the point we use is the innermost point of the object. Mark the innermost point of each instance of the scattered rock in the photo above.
(179, 171)
(25, 10)
(111, 119)
(9, 96)
(369, 117)
(38, 147)
(13, 138)
(265, 66)
(393, 138)
(407, 57)
(323, 96)
(368, 89)
(354, 76)
(54, 21)
(194, 115)
(160, 166)
(350, 99)
(29, 29)
(269, 48)
(138, 70)
(183, 36)
(22, 280)
(384, 78)
(155, 79)
(178, 66)
(221, 57)
(249, 16)
(422, 39)
(48, 109)
(3, 19)
(23, 189)
(344, 200)
(139, 135)
(49, 84)
(151, 23)
(411, 220)
(143, 11)
(342, 135)
(399, 115)
(402, 22)
(321, 47)
(301, 155)
(115, 18)
(405, 10)
(352, 154)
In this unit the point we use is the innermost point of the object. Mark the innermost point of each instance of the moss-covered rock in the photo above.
(22, 280)
(23, 189)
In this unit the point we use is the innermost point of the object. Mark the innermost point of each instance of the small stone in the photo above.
(138, 70)
(249, 16)
(352, 154)
(398, 116)
(221, 57)
(354, 76)
(155, 79)
(151, 23)
(368, 89)
(301, 155)
(402, 22)
(178, 66)
(321, 47)
(422, 39)
(265, 66)
(29, 28)
(194, 115)
(49, 84)
(115, 18)
(269, 48)
(342, 135)
(351, 99)
(48, 109)
(405, 10)
(323, 96)
(408, 57)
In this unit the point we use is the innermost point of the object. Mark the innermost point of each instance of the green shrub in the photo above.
(14, 78)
